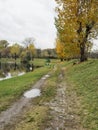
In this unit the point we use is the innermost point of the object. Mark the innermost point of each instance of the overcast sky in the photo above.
(20, 19)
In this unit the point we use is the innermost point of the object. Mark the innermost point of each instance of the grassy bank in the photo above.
(12, 89)
(83, 79)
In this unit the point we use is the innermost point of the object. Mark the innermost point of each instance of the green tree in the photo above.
(3, 47)
(3, 44)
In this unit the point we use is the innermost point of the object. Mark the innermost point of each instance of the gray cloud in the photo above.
(28, 18)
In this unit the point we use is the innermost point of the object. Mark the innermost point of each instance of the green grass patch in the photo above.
(84, 79)
(34, 119)
(38, 62)
(42, 62)
(49, 91)
(12, 89)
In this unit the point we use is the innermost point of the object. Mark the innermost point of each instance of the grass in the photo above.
(12, 89)
(38, 114)
(33, 119)
(42, 62)
(84, 80)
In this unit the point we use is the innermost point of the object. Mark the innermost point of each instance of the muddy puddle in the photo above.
(10, 116)
(46, 76)
(32, 93)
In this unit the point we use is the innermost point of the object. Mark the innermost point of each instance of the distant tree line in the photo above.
(27, 51)
(46, 53)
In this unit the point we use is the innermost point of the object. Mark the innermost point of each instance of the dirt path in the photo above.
(63, 112)
(8, 117)
(63, 109)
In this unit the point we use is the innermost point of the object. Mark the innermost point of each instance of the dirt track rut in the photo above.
(10, 116)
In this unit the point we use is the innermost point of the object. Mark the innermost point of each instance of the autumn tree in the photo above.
(66, 29)
(31, 50)
(77, 23)
(60, 49)
(66, 51)
(15, 50)
(87, 20)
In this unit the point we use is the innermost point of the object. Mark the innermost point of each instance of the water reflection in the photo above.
(10, 69)
(32, 93)
(9, 75)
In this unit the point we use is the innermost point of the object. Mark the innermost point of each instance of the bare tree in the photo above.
(28, 41)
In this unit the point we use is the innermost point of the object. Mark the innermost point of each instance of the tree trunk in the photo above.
(83, 55)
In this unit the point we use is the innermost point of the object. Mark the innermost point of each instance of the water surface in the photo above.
(32, 93)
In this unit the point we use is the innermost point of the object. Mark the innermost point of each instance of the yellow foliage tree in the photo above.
(67, 50)
(60, 49)
(31, 50)
(15, 49)
(77, 23)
